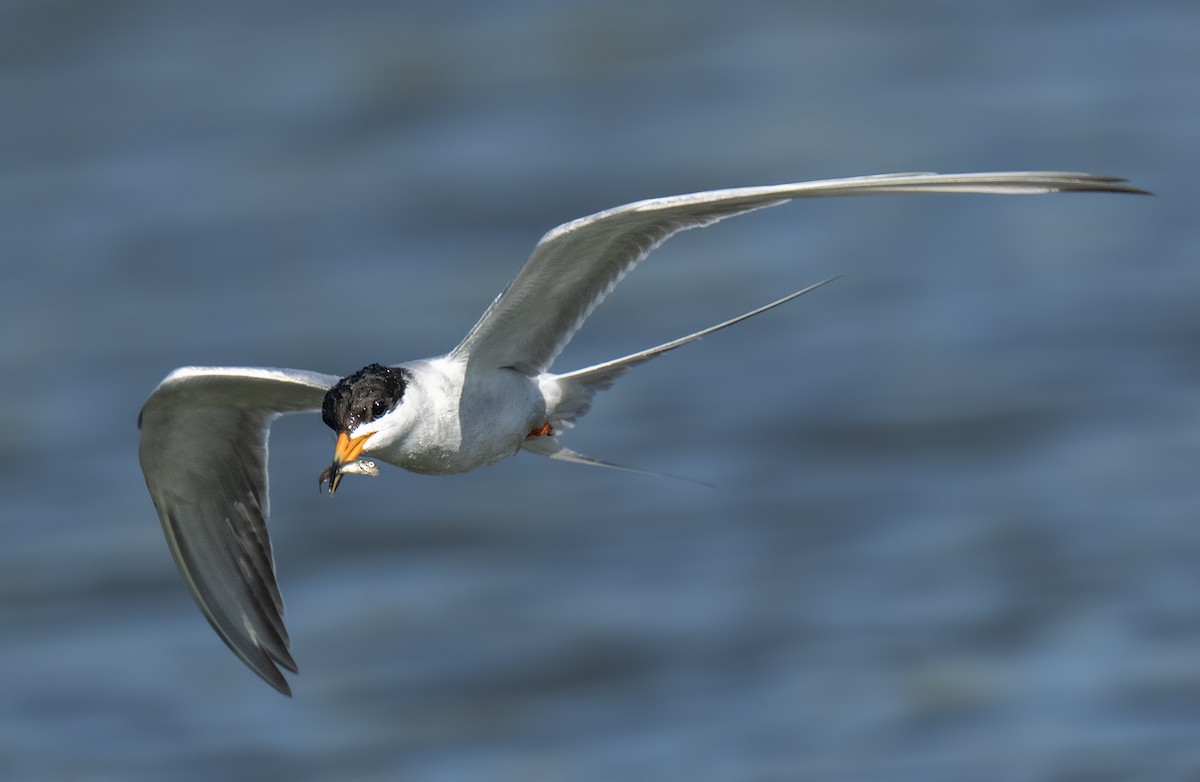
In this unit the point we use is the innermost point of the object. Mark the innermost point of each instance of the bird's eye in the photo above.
(378, 408)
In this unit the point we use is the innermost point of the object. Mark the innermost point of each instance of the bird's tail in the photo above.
(569, 396)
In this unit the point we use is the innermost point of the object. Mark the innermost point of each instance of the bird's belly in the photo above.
(490, 421)
(441, 459)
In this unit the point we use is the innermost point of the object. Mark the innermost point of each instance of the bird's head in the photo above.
(367, 413)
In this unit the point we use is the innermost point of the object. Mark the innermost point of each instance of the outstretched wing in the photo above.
(577, 264)
(204, 454)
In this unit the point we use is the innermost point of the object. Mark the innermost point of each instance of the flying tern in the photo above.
(204, 430)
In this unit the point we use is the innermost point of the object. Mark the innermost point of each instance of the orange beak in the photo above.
(346, 450)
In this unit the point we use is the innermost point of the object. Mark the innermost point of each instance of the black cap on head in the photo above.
(364, 396)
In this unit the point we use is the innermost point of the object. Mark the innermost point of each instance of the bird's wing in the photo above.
(204, 454)
(577, 264)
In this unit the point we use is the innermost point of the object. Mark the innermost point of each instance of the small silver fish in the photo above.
(357, 467)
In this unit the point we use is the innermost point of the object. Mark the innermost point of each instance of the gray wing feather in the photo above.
(204, 454)
(577, 264)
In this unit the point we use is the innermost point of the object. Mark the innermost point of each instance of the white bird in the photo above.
(204, 429)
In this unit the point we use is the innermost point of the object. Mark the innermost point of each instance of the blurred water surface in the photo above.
(954, 530)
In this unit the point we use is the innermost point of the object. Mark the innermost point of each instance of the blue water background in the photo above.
(956, 529)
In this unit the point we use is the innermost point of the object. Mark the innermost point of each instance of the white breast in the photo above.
(459, 420)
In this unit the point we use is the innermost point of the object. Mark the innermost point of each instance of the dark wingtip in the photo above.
(1115, 184)
(282, 687)
(1118, 185)
(262, 660)
(274, 677)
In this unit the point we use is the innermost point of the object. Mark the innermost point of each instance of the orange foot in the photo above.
(542, 430)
